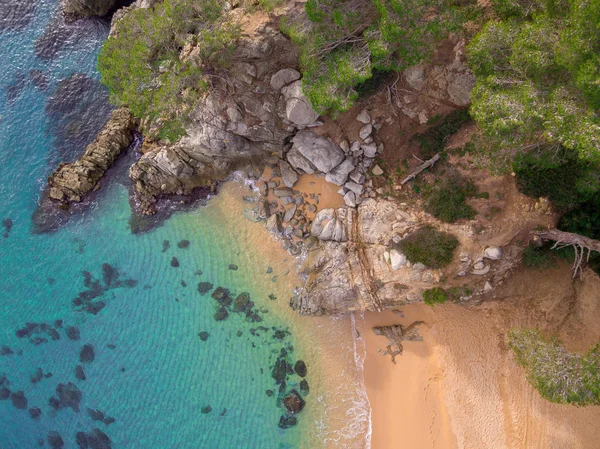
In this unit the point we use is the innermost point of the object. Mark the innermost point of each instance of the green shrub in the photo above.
(434, 139)
(558, 375)
(432, 248)
(435, 296)
(448, 200)
(141, 66)
(557, 174)
(538, 257)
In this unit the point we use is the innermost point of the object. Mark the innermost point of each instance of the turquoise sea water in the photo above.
(151, 372)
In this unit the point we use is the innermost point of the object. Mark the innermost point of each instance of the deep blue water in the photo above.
(151, 371)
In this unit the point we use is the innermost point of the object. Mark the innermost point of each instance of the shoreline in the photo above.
(334, 414)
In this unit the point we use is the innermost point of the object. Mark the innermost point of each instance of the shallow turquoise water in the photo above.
(151, 372)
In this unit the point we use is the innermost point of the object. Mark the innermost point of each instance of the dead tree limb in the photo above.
(579, 243)
(421, 167)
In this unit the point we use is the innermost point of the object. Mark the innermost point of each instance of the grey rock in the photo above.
(273, 225)
(350, 199)
(493, 253)
(284, 77)
(87, 8)
(288, 175)
(357, 177)
(365, 131)
(321, 152)
(364, 117)
(330, 224)
(289, 213)
(72, 181)
(397, 259)
(339, 174)
(356, 188)
(369, 150)
(299, 162)
(282, 191)
(377, 171)
(482, 271)
(300, 112)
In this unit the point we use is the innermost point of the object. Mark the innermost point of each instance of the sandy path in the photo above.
(461, 387)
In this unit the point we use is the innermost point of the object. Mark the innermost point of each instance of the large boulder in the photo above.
(339, 175)
(298, 109)
(319, 151)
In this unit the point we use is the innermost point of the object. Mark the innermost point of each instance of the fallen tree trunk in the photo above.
(579, 243)
(421, 167)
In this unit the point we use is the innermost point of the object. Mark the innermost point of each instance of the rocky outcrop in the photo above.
(315, 152)
(76, 9)
(350, 269)
(71, 181)
(437, 83)
(240, 121)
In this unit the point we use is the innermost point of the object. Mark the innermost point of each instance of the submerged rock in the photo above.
(4, 394)
(287, 421)
(300, 368)
(203, 335)
(68, 396)
(206, 409)
(19, 400)
(304, 388)
(175, 262)
(204, 287)
(87, 354)
(15, 15)
(183, 244)
(72, 333)
(293, 402)
(55, 440)
(221, 314)
(96, 439)
(79, 373)
(35, 412)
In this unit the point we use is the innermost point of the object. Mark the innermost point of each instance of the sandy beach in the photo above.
(461, 388)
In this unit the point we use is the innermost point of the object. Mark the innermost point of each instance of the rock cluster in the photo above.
(350, 269)
(435, 84)
(345, 165)
(71, 181)
(248, 114)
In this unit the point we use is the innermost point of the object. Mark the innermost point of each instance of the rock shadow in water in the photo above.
(61, 35)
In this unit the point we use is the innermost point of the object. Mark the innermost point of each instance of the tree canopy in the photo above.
(141, 61)
(538, 76)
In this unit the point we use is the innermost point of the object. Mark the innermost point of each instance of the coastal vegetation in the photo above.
(559, 375)
(432, 248)
(344, 43)
(448, 200)
(142, 66)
